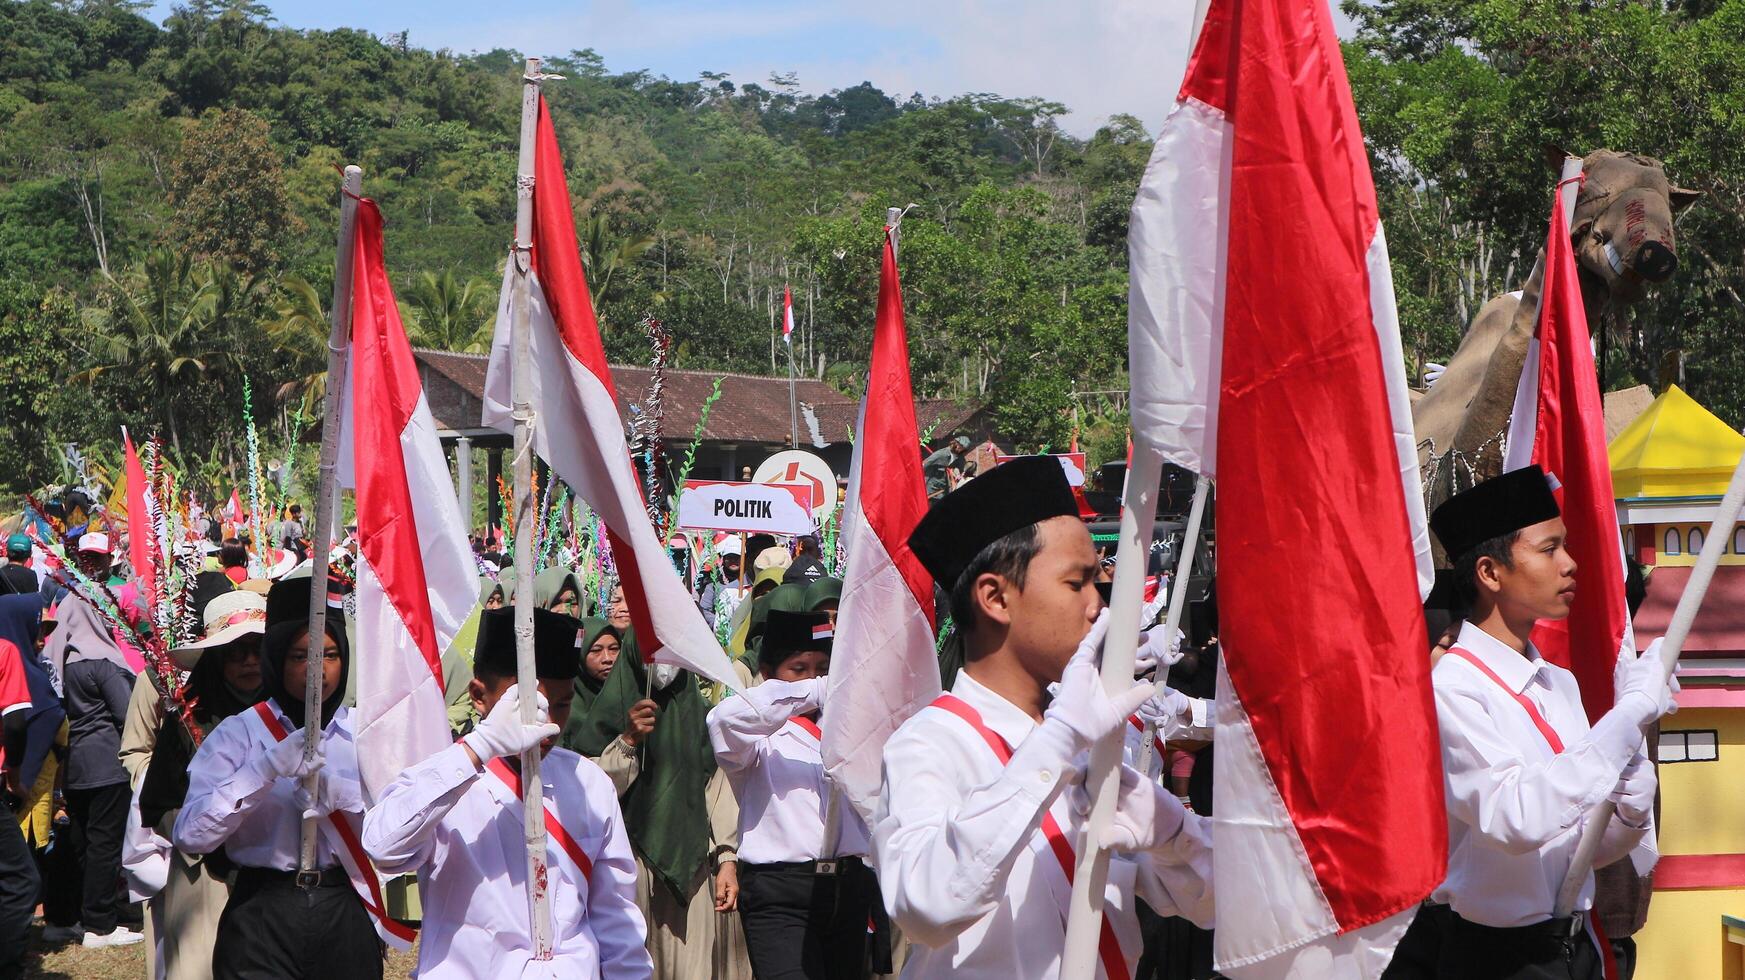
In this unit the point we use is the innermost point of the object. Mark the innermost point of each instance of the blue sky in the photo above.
(1097, 56)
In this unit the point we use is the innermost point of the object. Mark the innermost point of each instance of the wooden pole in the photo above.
(526, 678)
(1683, 616)
(326, 513)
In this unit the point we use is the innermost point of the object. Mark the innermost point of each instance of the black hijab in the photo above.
(274, 647)
(165, 787)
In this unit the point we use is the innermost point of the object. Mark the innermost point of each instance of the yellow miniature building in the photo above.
(1670, 467)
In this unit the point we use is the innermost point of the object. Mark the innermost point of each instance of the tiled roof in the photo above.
(752, 408)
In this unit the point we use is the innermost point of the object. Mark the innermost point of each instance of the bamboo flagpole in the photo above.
(1683, 616)
(532, 790)
(326, 499)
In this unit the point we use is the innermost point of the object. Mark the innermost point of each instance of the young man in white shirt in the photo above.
(983, 802)
(1523, 767)
(457, 819)
(805, 911)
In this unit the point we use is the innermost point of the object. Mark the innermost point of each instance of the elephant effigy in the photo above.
(1622, 234)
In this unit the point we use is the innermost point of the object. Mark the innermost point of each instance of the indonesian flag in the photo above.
(1266, 355)
(882, 664)
(577, 429)
(1561, 427)
(140, 538)
(416, 580)
(234, 512)
(787, 315)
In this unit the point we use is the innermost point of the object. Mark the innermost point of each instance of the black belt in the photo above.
(333, 877)
(822, 866)
(1562, 927)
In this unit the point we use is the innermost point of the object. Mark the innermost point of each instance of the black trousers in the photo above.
(101, 816)
(60, 868)
(1475, 952)
(805, 926)
(273, 930)
(18, 888)
(1419, 954)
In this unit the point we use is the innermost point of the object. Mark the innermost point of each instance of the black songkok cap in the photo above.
(556, 654)
(788, 633)
(1517, 499)
(1009, 497)
(288, 598)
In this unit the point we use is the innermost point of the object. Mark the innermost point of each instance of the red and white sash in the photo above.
(1157, 740)
(1108, 947)
(1556, 743)
(554, 828)
(342, 836)
(808, 726)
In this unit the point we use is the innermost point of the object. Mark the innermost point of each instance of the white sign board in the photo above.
(796, 466)
(751, 508)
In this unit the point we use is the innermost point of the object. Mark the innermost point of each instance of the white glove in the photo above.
(316, 805)
(1153, 652)
(1644, 680)
(1083, 711)
(1168, 711)
(285, 760)
(1433, 372)
(1147, 816)
(1634, 794)
(502, 733)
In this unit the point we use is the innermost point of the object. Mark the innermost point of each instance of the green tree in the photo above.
(229, 189)
(449, 314)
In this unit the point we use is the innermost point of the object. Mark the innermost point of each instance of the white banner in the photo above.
(724, 505)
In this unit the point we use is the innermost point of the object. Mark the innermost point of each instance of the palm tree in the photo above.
(604, 255)
(447, 314)
(166, 321)
(300, 328)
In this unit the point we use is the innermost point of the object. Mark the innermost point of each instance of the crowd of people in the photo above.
(692, 831)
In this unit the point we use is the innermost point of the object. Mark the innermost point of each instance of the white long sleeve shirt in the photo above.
(965, 868)
(771, 757)
(1515, 807)
(234, 802)
(461, 829)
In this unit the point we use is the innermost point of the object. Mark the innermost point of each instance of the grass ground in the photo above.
(74, 962)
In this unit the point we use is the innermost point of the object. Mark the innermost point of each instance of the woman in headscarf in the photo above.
(559, 590)
(749, 617)
(224, 677)
(96, 684)
(45, 731)
(667, 809)
(824, 596)
(602, 645)
(617, 607)
(490, 593)
(245, 796)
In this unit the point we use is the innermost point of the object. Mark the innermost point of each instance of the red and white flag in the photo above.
(883, 667)
(234, 512)
(787, 315)
(140, 539)
(416, 579)
(577, 429)
(1560, 425)
(1266, 355)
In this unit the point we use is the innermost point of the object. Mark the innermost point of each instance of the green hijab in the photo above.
(666, 809)
(550, 584)
(587, 688)
(821, 591)
(788, 597)
(487, 586)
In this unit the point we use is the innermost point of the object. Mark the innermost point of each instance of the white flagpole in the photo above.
(532, 790)
(1084, 919)
(338, 355)
(1683, 615)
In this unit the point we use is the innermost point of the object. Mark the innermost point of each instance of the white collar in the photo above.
(1516, 670)
(1006, 719)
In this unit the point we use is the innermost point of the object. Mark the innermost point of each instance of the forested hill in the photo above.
(167, 206)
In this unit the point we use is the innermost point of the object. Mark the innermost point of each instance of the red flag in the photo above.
(1271, 367)
(140, 539)
(416, 580)
(579, 432)
(1569, 443)
(883, 668)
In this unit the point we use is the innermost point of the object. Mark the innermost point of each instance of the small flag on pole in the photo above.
(788, 315)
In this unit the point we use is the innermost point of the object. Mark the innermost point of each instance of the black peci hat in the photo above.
(788, 633)
(1517, 499)
(1009, 497)
(556, 638)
